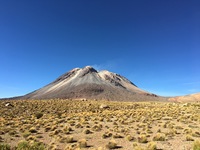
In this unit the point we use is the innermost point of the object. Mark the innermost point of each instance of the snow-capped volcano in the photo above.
(89, 83)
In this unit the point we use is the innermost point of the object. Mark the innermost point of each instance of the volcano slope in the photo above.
(88, 83)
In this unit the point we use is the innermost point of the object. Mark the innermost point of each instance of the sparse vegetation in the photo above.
(159, 137)
(151, 146)
(111, 144)
(69, 139)
(76, 124)
(196, 145)
(142, 139)
(189, 138)
(4, 146)
(82, 143)
(129, 138)
(24, 145)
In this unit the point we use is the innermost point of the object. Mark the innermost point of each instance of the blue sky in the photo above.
(155, 44)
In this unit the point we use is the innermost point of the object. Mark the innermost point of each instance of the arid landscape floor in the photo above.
(97, 125)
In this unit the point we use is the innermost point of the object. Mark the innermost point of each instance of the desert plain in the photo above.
(69, 124)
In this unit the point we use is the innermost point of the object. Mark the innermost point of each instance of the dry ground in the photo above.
(76, 124)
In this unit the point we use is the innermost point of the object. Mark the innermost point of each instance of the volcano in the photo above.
(88, 83)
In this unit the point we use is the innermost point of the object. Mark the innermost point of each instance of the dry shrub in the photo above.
(159, 137)
(142, 139)
(111, 144)
(151, 146)
(196, 145)
(82, 143)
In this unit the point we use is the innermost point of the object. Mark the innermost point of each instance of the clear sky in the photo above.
(154, 43)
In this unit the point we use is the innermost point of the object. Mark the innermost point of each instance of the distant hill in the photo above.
(88, 83)
(187, 98)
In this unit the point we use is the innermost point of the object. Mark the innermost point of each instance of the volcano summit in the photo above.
(88, 83)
